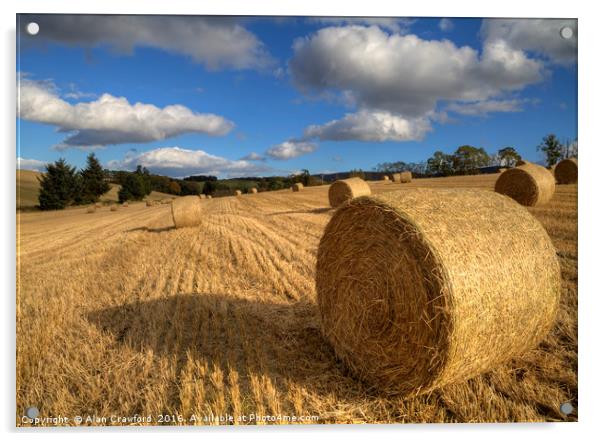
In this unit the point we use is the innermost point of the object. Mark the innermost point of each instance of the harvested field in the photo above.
(121, 313)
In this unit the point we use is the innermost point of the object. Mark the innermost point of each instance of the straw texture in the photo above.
(346, 189)
(422, 288)
(405, 177)
(253, 190)
(186, 211)
(237, 192)
(385, 178)
(396, 177)
(566, 171)
(297, 186)
(528, 184)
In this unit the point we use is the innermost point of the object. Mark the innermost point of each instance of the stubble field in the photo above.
(118, 313)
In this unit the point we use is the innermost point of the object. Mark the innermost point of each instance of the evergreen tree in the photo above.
(134, 188)
(59, 186)
(92, 180)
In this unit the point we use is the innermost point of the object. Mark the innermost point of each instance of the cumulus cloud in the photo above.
(482, 108)
(541, 36)
(110, 119)
(393, 24)
(405, 74)
(291, 149)
(253, 157)
(446, 25)
(180, 162)
(370, 126)
(216, 42)
(30, 164)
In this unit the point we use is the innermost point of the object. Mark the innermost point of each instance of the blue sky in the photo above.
(262, 96)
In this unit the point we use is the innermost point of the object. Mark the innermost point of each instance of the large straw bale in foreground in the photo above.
(529, 184)
(346, 189)
(186, 211)
(297, 186)
(423, 288)
(565, 171)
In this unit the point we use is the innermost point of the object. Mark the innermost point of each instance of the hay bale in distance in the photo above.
(186, 211)
(209, 196)
(344, 190)
(405, 177)
(149, 203)
(98, 205)
(297, 186)
(396, 177)
(125, 205)
(91, 209)
(114, 207)
(529, 184)
(253, 190)
(237, 192)
(565, 171)
(410, 307)
(386, 178)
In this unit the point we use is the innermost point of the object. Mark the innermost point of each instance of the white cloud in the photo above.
(30, 164)
(291, 149)
(253, 157)
(110, 119)
(180, 162)
(393, 24)
(405, 74)
(370, 126)
(481, 108)
(541, 36)
(216, 42)
(446, 25)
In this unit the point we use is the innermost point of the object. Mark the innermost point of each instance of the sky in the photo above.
(253, 96)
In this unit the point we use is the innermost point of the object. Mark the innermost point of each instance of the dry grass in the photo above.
(223, 318)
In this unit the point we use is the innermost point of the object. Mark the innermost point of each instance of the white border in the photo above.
(590, 220)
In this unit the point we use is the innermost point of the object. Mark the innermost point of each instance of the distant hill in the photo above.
(28, 188)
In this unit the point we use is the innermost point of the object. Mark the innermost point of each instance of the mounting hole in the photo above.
(566, 32)
(32, 28)
(32, 412)
(566, 408)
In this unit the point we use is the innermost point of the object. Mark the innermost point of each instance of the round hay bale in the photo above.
(423, 288)
(566, 171)
(521, 162)
(385, 178)
(114, 207)
(346, 189)
(237, 192)
(125, 205)
(529, 184)
(297, 186)
(253, 190)
(91, 209)
(396, 177)
(98, 205)
(209, 196)
(405, 177)
(149, 203)
(186, 211)
(202, 196)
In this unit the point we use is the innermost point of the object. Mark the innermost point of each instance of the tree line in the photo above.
(467, 159)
